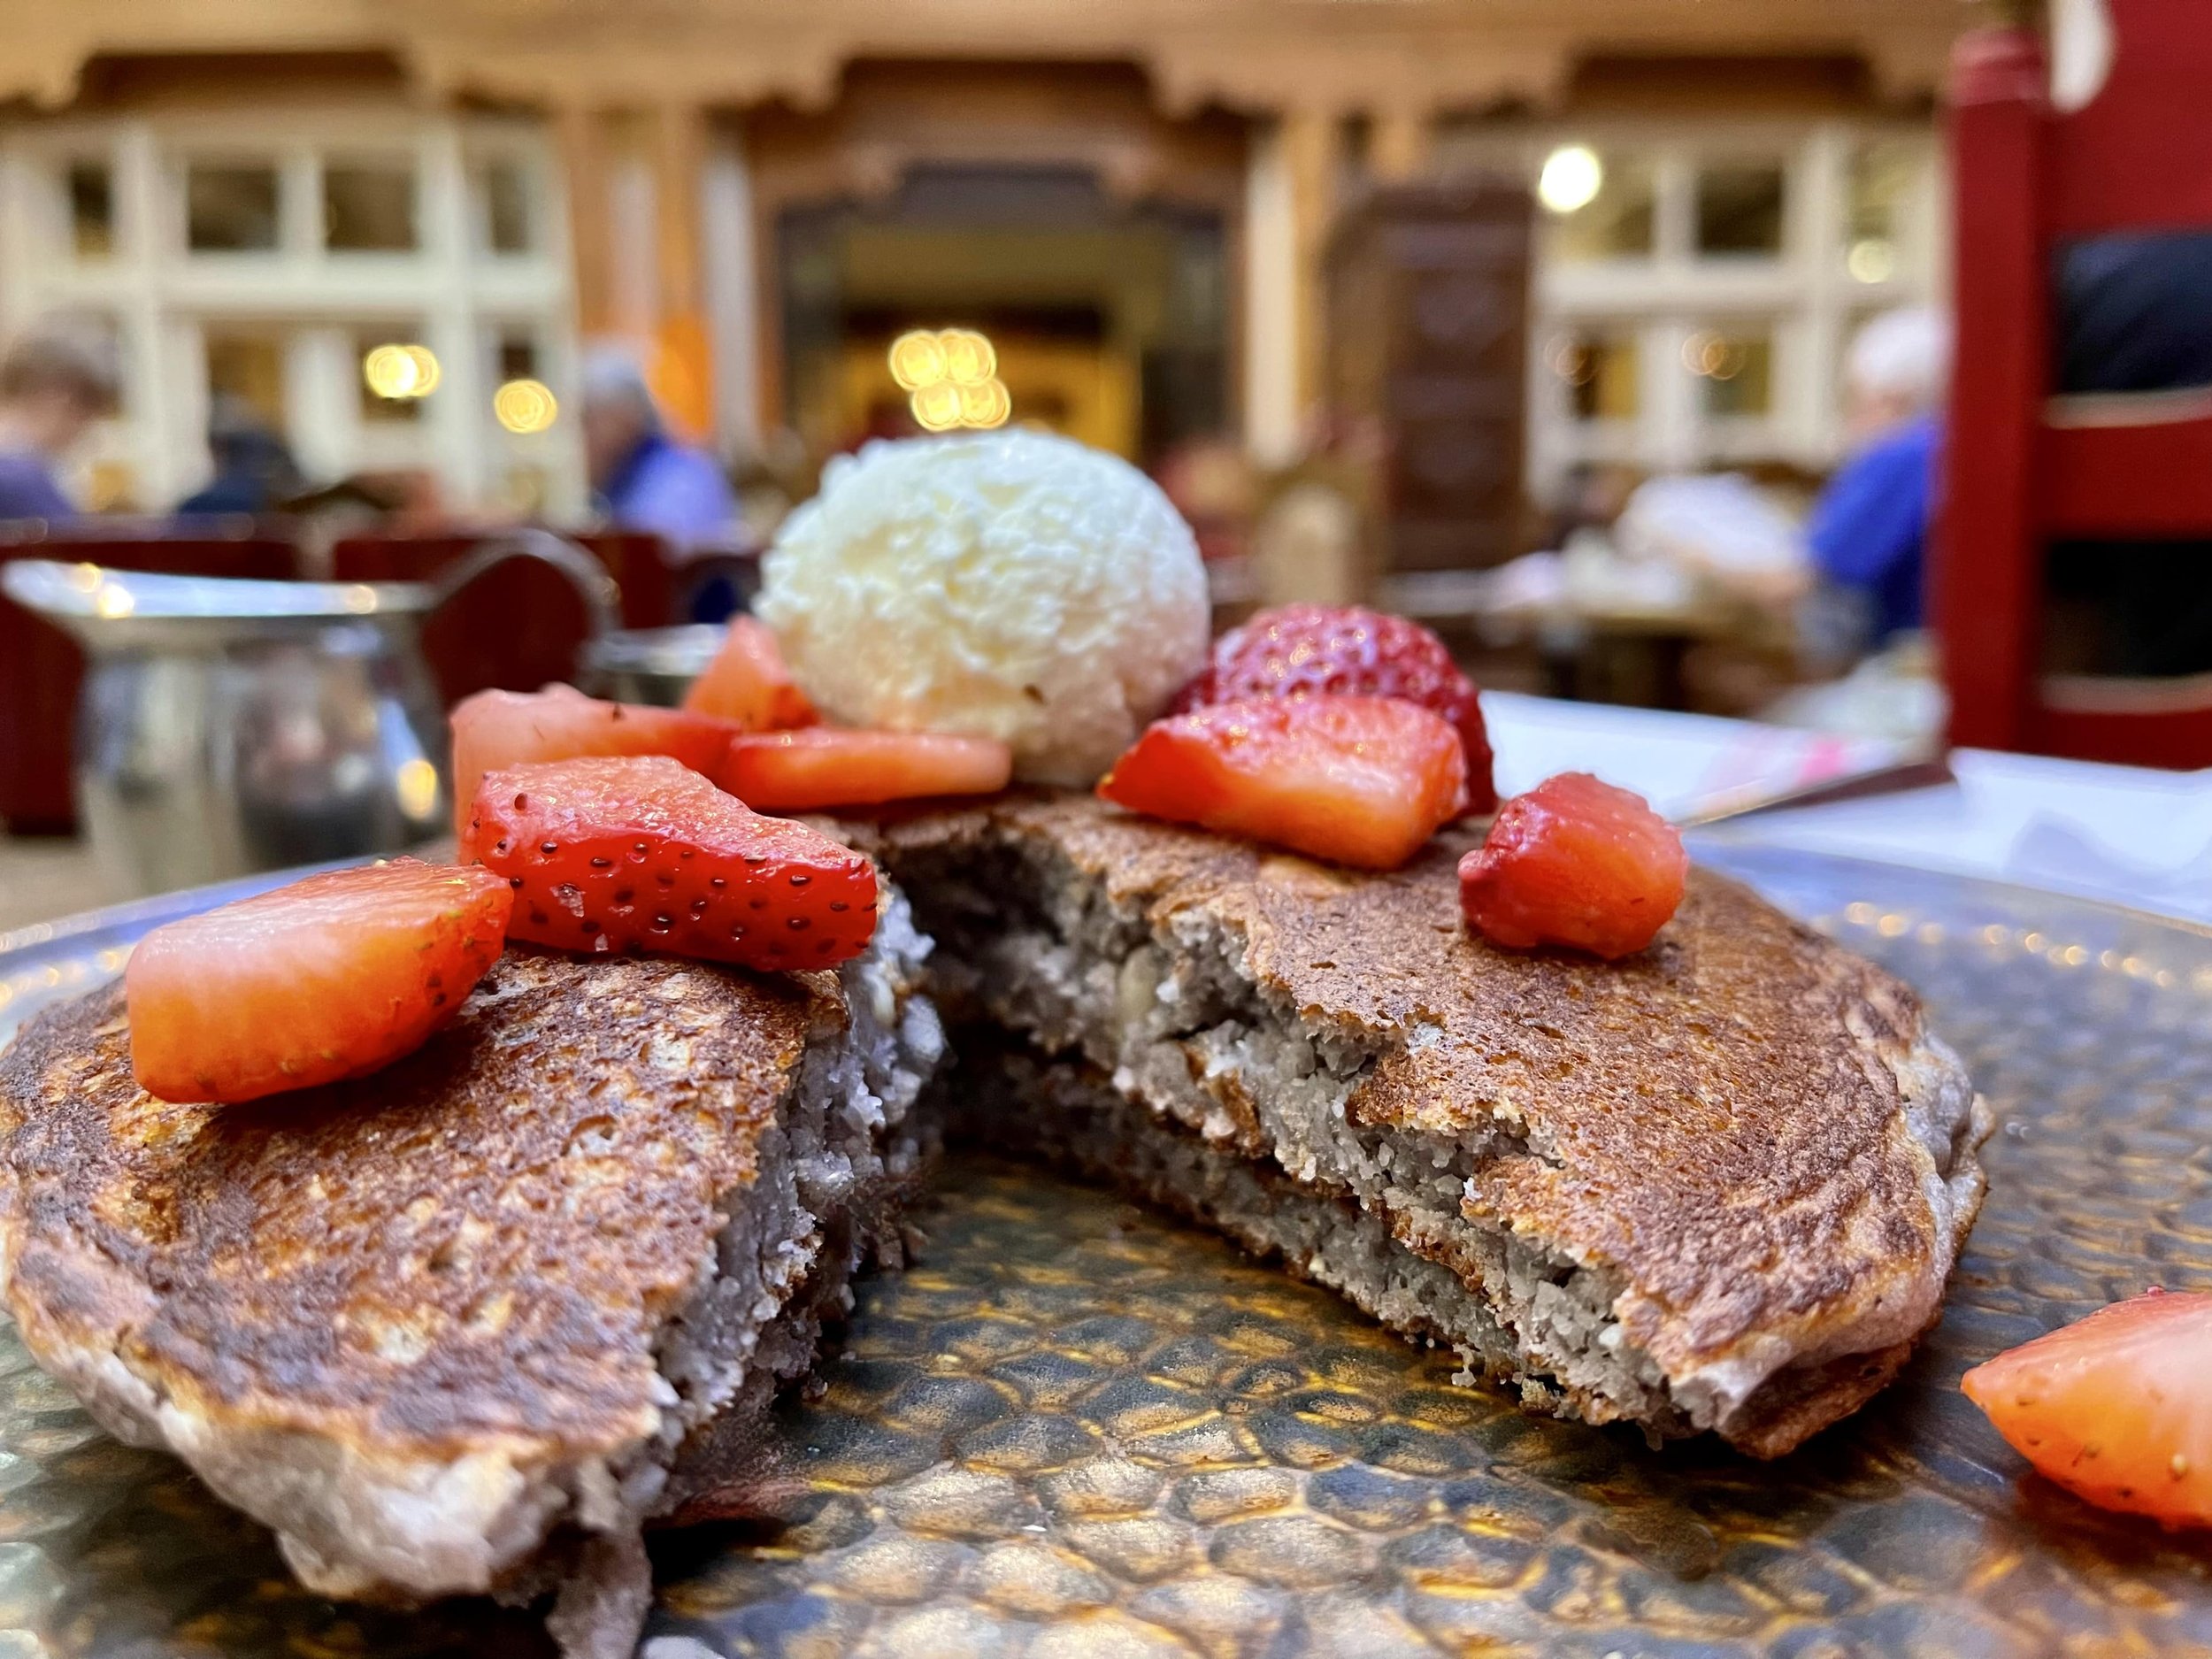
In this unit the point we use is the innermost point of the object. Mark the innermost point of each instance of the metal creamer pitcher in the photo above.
(228, 726)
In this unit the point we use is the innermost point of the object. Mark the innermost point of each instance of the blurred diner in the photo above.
(642, 476)
(54, 382)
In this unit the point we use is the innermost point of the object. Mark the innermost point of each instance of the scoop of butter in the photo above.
(1009, 584)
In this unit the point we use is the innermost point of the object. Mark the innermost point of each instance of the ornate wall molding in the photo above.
(1254, 55)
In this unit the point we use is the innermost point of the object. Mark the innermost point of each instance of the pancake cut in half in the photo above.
(462, 1326)
(1719, 1185)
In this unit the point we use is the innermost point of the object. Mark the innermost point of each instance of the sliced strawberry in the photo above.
(506, 728)
(1348, 651)
(1574, 861)
(824, 766)
(640, 853)
(748, 682)
(2116, 1407)
(1361, 780)
(325, 978)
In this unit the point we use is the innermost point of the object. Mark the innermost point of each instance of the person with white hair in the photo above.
(1869, 531)
(643, 477)
(55, 381)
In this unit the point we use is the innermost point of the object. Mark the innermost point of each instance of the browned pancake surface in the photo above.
(1717, 1118)
(475, 1245)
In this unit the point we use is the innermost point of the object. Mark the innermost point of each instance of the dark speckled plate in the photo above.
(1078, 1428)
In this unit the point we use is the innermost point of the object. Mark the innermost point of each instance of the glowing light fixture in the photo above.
(1713, 355)
(970, 358)
(401, 371)
(525, 406)
(416, 786)
(1871, 259)
(986, 405)
(918, 359)
(937, 406)
(951, 379)
(1571, 178)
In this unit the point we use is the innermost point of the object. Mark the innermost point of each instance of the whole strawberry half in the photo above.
(325, 978)
(640, 853)
(1357, 781)
(1575, 862)
(1348, 651)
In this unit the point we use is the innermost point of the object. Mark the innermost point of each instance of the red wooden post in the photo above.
(1989, 563)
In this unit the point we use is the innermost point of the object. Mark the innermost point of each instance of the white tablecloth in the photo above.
(2122, 834)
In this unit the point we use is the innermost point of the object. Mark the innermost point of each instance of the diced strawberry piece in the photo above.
(1348, 651)
(507, 728)
(748, 682)
(640, 853)
(825, 766)
(2116, 1407)
(325, 978)
(1360, 780)
(1575, 862)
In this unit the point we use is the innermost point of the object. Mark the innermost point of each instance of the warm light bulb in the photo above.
(416, 786)
(918, 359)
(970, 358)
(937, 406)
(1872, 260)
(428, 373)
(986, 405)
(388, 372)
(399, 371)
(525, 406)
(1571, 178)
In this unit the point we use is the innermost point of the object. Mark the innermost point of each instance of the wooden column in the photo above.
(683, 369)
(580, 133)
(1398, 150)
(1311, 150)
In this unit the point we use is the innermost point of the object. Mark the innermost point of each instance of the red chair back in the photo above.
(519, 624)
(41, 669)
(2022, 470)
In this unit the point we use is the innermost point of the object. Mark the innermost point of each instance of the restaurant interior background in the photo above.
(1535, 320)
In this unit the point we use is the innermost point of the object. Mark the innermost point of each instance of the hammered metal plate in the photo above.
(1076, 1427)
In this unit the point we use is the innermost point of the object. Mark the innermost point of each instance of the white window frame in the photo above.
(1805, 294)
(162, 296)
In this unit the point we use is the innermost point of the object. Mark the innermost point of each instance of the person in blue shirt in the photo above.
(1868, 530)
(54, 384)
(254, 469)
(642, 477)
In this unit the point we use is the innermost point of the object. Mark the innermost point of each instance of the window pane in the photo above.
(504, 192)
(1615, 223)
(91, 209)
(517, 357)
(1736, 366)
(1599, 367)
(246, 368)
(1739, 210)
(369, 208)
(1883, 175)
(230, 208)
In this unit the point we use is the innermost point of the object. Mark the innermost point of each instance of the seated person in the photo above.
(254, 470)
(642, 477)
(54, 382)
(1868, 530)
(2134, 314)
